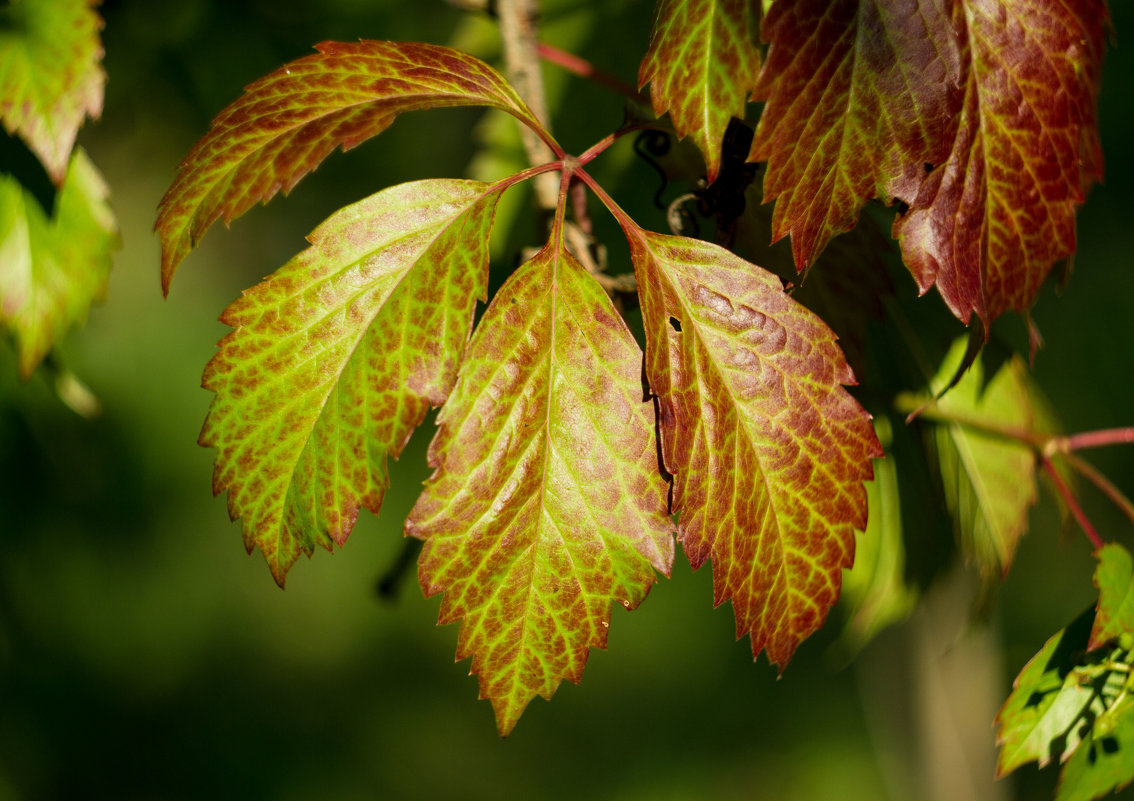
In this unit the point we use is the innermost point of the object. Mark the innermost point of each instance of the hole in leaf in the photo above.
(928, 167)
(675, 324)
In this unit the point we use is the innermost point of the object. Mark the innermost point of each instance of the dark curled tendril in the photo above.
(647, 145)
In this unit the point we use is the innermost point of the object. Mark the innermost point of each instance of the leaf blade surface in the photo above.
(286, 123)
(767, 449)
(51, 76)
(701, 64)
(53, 269)
(336, 358)
(547, 505)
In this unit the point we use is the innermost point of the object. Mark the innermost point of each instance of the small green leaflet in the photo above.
(289, 121)
(1074, 700)
(701, 65)
(1115, 582)
(336, 358)
(989, 480)
(51, 270)
(51, 77)
(767, 449)
(547, 505)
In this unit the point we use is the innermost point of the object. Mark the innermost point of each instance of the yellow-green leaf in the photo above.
(547, 504)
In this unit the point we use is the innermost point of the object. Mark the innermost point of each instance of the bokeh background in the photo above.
(143, 655)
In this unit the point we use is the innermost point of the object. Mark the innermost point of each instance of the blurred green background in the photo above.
(143, 655)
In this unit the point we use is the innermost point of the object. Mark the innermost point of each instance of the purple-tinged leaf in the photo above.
(336, 358)
(767, 449)
(547, 505)
(289, 121)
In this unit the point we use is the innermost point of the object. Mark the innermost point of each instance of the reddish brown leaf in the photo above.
(288, 122)
(860, 96)
(767, 449)
(987, 226)
(547, 505)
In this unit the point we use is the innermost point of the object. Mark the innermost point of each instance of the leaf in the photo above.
(1101, 765)
(52, 270)
(1041, 719)
(875, 592)
(289, 121)
(701, 63)
(767, 449)
(988, 224)
(989, 480)
(859, 98)
(1114, 579)
(546, 505)
(336, 358)
(50, 75)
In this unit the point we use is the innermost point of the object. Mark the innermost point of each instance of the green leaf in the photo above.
(701, 64)
(989, 480)
(875, 592)
(52, 270)
(989, 222)
(767, 449)
(857, 103)
(1114, 579)
(1101, 765)
(50, 75)
(547, 504)
(1041, 720)
(336, 358)
(289, 121)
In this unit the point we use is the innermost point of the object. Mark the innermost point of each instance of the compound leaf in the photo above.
(701, 64)
(859, 95)
(546, 505)
(52, 270)
(767, 449)
(989, 222)
(289, 121)
(336, 358)
(51, 76)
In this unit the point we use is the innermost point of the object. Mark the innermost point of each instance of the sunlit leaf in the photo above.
(768, 451)
(991, 220)
(1115, 581)
(336, 358)
(859, 98)
(289, 121)
(51, 77)
(52, 270)
(547, 505)
(1101, 765)
(1041, 720)
(701, 65)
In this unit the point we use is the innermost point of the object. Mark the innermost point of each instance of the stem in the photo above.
(932, 412)
(521, 58)
(1104, 484)
(1094, 439)
(585, 69)
(624, 219)
(1072, 504)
